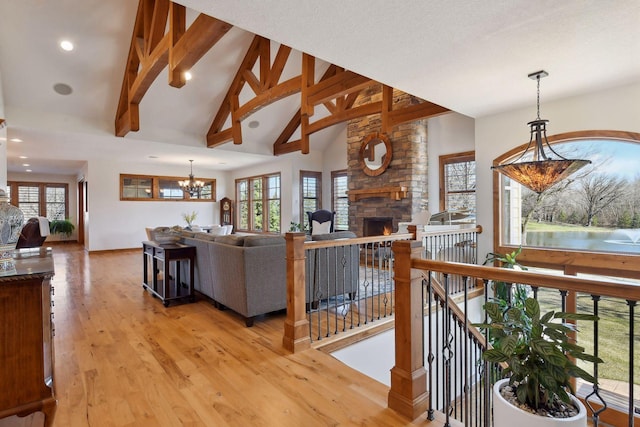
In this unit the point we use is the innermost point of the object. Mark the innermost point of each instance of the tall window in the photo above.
(40, 199)
(595, 209)
(310, 194)
(258, 203)
(340, 200)
(458, 182)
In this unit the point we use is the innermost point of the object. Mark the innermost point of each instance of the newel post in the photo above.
(408, 394)
(296, 325)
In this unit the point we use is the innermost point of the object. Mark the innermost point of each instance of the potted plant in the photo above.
(61, 226)
(189, 217)
(508, 294)
(538, 352)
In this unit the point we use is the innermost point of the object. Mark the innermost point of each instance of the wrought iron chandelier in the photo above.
(543, 171)
(191, 186)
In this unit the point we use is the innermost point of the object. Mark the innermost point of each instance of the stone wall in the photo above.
(408, 165)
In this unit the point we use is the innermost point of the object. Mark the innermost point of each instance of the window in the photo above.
(258, 203)
(340, 200)
(161, 188)
(40, 199)
(458, 182)
(310, 195)
(595, 209)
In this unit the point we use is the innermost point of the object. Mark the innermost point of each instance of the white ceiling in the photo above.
(472, 57)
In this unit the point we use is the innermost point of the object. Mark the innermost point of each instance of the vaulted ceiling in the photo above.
(469, 57)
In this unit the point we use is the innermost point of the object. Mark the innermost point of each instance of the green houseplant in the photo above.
(189, 218)
(61, 226)
(537, 350)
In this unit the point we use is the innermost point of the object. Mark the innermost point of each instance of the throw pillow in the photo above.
(320, 227)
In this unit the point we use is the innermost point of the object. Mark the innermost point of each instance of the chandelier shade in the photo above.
(546, 167)
(191, 185)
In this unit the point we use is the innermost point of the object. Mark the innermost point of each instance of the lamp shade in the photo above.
(540, 175)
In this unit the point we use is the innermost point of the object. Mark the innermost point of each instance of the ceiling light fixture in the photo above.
(15, 140)
(538, 170)
(191, 185)
(187, 75)
(66, 45)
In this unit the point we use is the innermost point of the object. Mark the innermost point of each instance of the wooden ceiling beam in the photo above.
(338, 85)
(342, 116)
(153, 47)
(216, 135)
(276, 93)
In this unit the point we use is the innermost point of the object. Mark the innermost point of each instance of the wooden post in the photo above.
(408, 394)
(296, 325)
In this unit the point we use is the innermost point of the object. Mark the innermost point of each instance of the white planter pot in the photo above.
(507, 415)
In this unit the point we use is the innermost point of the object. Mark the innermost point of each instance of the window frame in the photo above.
(13, 187)
(337, 174)
(448, 159)
(570, 261)
(304, 220)
(155, 189)
(265, 200)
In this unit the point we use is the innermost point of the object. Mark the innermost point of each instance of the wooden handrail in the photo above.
(569, 283)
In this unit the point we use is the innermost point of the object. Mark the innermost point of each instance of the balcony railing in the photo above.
(451, 377)
(336, 286)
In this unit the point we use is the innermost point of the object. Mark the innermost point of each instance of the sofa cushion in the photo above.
(231, 239)
(263, 240)
(334, 236)
(321, 227)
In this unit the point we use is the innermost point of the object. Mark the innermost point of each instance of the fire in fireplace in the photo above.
(377, 226)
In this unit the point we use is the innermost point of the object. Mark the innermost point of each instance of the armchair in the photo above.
(33, 233)
(318, 221)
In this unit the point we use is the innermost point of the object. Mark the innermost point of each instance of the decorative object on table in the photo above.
(62, 226)
(191, 185)
(189, 217)
(11, 219)
(539, 354)
(538, 170)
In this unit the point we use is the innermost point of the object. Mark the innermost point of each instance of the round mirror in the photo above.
(375, 154)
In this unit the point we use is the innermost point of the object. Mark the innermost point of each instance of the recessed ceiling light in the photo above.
(26, 164)
(2, 138)
(254, 124)
(66, 45)
(62, 88)
(15, 140)
(28, 170)
(187, 75)
(23, 157)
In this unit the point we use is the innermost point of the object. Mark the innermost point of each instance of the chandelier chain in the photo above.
(538, 100)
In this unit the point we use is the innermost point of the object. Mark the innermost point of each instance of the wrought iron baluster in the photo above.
(632, 411)
(430, 411)
(595, 391)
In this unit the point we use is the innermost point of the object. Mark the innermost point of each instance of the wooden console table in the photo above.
(26, 328)
(171, 254)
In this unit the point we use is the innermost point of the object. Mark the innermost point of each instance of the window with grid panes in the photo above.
(310, 195)
(258, 203)
(161, 188)
(458, 182)
(340, 200)
(49, 200)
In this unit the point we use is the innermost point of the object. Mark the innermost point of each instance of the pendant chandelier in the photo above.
(543, 170)
(191, 185)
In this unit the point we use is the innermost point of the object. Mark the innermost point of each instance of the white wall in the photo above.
(70, 180)
(447, 134)
(612, 109)
(3, 142)
(116, 224)
(334, 159)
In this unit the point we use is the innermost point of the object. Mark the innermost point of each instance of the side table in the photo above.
(168, 288)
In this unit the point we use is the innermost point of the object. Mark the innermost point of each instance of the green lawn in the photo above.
(546, 226)
(613, 333)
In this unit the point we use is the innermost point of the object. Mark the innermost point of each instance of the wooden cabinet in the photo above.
(26, 334)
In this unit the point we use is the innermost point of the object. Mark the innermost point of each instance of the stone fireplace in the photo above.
(408, 167)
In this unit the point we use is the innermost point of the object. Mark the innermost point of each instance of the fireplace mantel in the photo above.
(394, 193)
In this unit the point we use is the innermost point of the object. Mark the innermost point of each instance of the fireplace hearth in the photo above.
(377, 226)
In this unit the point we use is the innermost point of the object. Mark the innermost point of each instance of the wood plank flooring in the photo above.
(123, 359)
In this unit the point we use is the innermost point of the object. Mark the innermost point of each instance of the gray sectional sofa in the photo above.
(246, 274)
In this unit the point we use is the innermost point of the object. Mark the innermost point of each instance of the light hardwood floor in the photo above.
(123, 359)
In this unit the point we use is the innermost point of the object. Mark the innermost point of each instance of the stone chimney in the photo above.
(408, 165)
